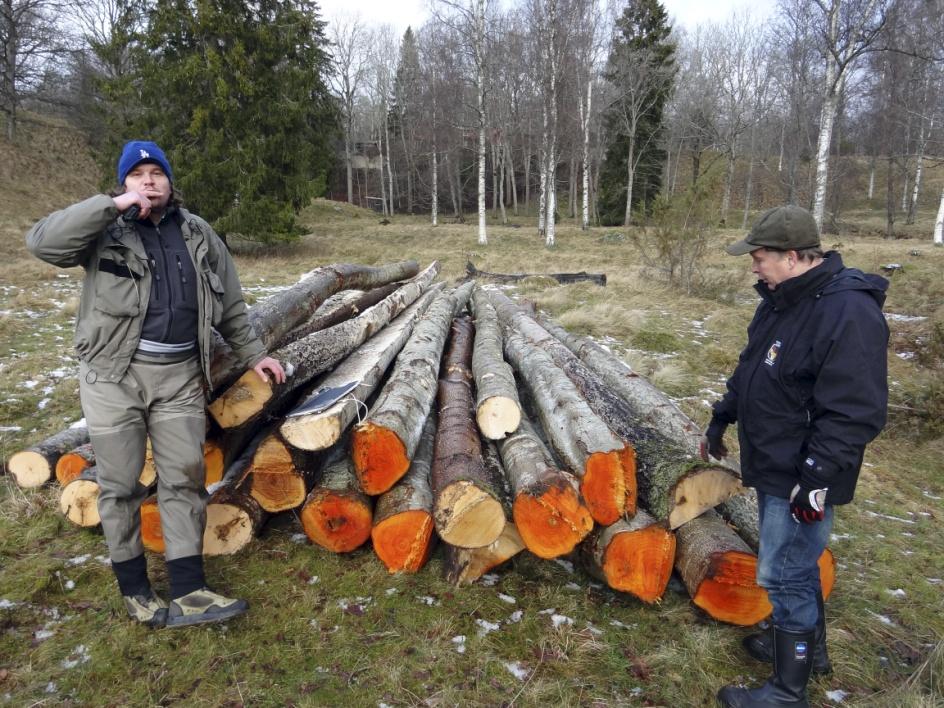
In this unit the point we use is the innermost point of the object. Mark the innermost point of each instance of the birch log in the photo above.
(250, 397)
(719, 571)
(549, 513)
(497, 409)
(337, 515)
(36, 465)
(271, 319)
(634, 556)
(402, 534)
(466, 501)
(365, 365)
(384, 444)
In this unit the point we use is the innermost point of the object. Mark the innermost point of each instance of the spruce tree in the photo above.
(405, 113)
(641, 52)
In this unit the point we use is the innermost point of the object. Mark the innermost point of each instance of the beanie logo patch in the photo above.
(145, 154)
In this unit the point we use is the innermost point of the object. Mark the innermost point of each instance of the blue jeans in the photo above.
(787, 562)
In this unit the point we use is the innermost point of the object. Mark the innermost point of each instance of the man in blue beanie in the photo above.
(158, 279)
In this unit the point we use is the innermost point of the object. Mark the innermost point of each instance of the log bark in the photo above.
(337, 515)
(271, 319)
(562, 278)
(402, 534)
(584, 443)
(353, 304)
(719, 571)
(497, 408)
(466, 565)
(549, 512)
(280, 476)
(250, 397)
(36, 465)
(71, 465)
(384, 444)
(78, 500)
(634, 556)
(366, 365)
(466, 503)
(740, 511)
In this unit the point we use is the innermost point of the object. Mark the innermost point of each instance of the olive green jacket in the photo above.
(117, 284)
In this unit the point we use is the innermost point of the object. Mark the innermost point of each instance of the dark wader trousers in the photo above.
(166, 403)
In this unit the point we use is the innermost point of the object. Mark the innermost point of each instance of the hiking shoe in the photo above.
(201, 606)
(147, 608)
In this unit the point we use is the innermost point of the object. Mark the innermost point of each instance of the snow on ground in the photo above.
(507, 598)
(565, 564)
(561, 620)
(894, 317)
(391, 591)
(459, 641)
(517, 670)
(884, 619)
(898, 592)
(79, 655)
(515, 617)
(889, 517)
(837, 696)
(573, 586)
(427, 600)
(489, 579)
(485, 627)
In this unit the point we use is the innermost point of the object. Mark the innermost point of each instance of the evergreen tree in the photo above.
(641, 67)
(405, 111)
(235, 93)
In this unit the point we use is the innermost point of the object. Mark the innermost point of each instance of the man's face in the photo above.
(150, 180)
(773, 267)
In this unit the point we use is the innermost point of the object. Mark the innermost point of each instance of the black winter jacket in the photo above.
(810, 389)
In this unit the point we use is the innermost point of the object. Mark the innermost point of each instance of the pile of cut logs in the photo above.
(405, 420)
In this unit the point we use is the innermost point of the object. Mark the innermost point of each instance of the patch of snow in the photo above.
(485, 626)
(104, 560)
(894, 317)
(43, 403)
(595, 631)
(51, 687)
(636, 691)
(837, 696)
(573, 586)
(931, 496)
(313, 579)
(617, 623)
(889, 517)
(427, 600)
(391, 591)
(489, 579)
(299, 538)
(507, 598)
(79, 655)
(548, 611)
(565, 564)
(43, 634)
(7, 604)
(898, 592)
(79, 560)
(78, 424)
(906, 356)
(935, 581)
(322, 670)
(908, 534)
(882, 618)
(840, 537)
(10, 428)
(459, 641)
(516, 670)
(70, 585)
(560, 620)
(515, 617)
(29, 384)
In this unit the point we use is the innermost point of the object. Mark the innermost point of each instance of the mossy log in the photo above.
(604, 463)
(250, 398)
(36, 465)
(274, 317)
(466, 565)
(549, 512)
(384, 444)
(402, 534)
(365, 365)
(78, 500)
(467, 507)
(348, 304)
(337, 515)
(73, 463)
(280, 476)
(720, 571)
(634, 556)
(497, 408)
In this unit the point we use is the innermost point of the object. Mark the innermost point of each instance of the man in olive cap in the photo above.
(157, 278)
(809, 392)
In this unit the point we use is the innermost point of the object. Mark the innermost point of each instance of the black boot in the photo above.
(786, 688)
(760, 645)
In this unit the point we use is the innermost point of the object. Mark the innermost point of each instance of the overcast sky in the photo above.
(401, 13)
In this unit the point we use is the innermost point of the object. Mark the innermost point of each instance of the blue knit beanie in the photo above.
(137, 151)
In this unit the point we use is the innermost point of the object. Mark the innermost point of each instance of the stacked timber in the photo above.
(36, 465)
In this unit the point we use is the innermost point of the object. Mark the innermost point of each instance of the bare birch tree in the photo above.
(350, 53)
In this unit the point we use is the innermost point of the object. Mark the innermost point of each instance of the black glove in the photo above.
(713, 442)
(807, 505)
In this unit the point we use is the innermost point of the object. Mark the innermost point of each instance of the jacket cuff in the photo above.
(816, 473)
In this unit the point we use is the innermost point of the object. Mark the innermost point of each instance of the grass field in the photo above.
(327, 629)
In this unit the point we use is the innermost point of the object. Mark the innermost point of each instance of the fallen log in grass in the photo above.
(36, 465)
(562, 278)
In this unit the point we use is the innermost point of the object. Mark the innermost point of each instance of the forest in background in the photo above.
(599, 112)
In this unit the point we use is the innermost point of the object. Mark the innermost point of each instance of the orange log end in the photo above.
(640, 562)
(827, 572)
(337, 522)
(70, 466)
(628, 459)
(553, 523)
(404, 541)
(379, 457)
(730, 592)
(278, 491)
(213, 462)
(604, 486)
(151, 533)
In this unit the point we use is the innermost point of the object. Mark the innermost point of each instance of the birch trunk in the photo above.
(630, 178)
(938, 237)
(542, 197)
(498, 410)
(383, 183)
(728, 183)
(435, 190)
(871, 177)
(512, 181)
(392, 191)
(585, 120)
(384, 444)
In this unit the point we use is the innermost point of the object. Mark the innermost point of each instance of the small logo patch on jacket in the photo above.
(772, 353)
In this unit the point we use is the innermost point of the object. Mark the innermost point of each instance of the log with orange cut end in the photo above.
(337, 515)
(73, 463)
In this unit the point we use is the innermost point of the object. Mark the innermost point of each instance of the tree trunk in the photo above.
(634, 556)
(273, 318)
(467, 509)
(497, 409)
(337, 515)
(938, 236)
(280, 476)
(728, 183)
(350, 306)
(630, 178)
(384, 444)
(78, 500)
(72, 464)
(402, 534)
(563, 278)
(435, 189)
(466, 565)
(585, 119)
(871, 177)
(512, 181)
(549, 513)
(36, 465)
(250, 397)
(827, 117)
(383, 184)
(366, 366)
(348, 166)
(719, 571)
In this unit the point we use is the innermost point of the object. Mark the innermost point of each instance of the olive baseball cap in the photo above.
(785, 228)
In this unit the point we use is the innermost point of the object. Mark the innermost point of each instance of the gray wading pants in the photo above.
(165, 402)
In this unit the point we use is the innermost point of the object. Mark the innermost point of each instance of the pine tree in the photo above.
(235, 93)
(641, 68)
(405, 111)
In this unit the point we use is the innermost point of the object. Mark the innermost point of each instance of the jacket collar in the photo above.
(812, 282)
